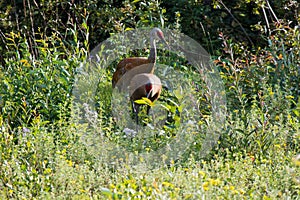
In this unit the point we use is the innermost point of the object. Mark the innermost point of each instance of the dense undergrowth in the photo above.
(46, 152)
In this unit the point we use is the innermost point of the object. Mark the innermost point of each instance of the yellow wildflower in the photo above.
(205, 186)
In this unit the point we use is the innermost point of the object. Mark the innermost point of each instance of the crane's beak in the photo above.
(165, 42)
(161, 37)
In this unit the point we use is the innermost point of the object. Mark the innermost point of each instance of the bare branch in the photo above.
(237, 21)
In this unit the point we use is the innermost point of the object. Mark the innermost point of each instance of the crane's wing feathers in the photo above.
(129, 63)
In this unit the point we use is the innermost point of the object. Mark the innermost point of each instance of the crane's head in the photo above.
(156, 33)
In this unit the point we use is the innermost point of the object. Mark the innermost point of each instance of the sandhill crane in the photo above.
(144, 85)
(139, 65)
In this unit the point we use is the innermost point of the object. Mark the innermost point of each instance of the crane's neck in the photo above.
(152, 56)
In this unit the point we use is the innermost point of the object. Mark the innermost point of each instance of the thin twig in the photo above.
(269, 7)
(2, 35)
(33, 48)
(17, 16)
(266, 19)
(235, 19)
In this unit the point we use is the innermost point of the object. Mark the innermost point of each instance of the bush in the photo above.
(47, 152)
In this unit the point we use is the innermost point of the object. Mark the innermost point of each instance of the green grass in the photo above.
(40, 166)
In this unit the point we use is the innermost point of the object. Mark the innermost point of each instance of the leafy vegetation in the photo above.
(48, 152)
